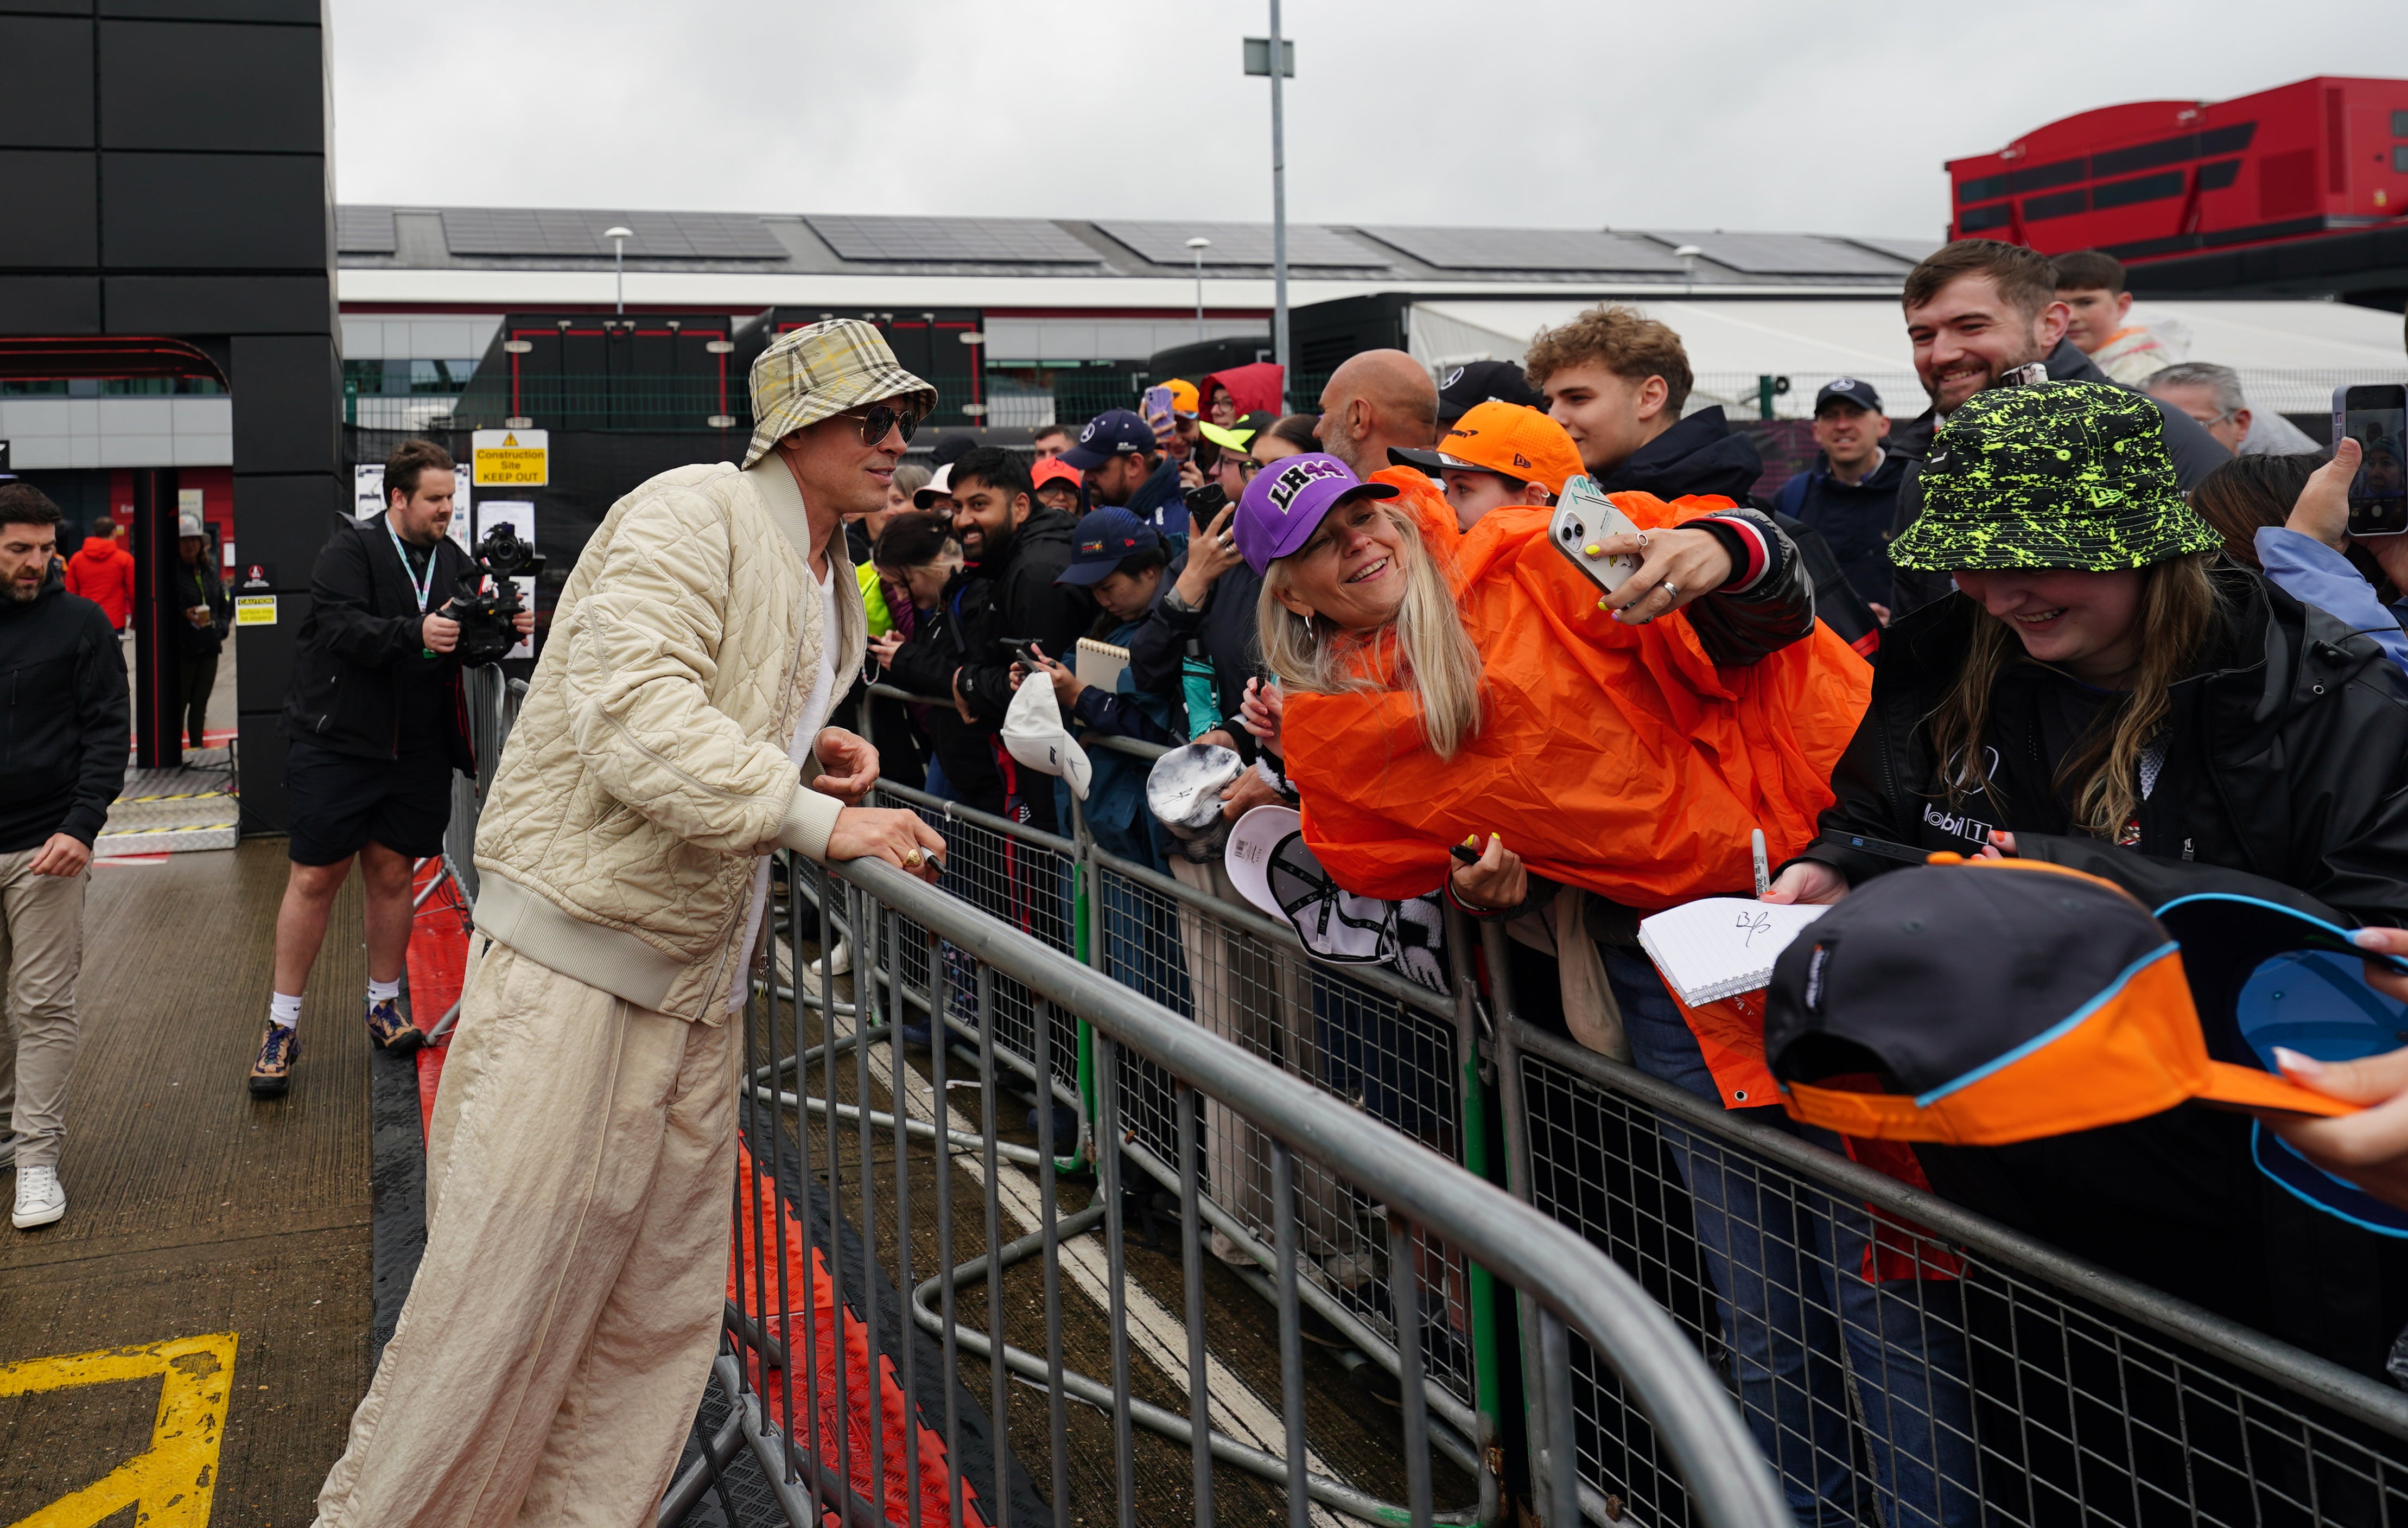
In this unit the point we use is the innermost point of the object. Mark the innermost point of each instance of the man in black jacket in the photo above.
(1850, 494)
(377, 726)
(63, 687)
(1980, 311)
(1014, 548)
(208, 611)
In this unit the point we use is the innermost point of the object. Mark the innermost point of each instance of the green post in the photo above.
(1764, 397)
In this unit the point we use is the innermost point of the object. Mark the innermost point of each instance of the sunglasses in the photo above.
(879, 417)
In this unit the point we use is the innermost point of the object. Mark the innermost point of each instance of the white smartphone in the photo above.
(1583, 518)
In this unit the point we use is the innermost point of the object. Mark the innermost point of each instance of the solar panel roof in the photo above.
(1242, 244)
(1913, 250)
(561, 231)
(1783, 254)
(364, 230)
(1527, 250)
(991, 240)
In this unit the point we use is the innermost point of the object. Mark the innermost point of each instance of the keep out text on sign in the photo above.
(511, 458)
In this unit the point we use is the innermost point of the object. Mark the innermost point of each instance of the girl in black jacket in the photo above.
(2106, 692)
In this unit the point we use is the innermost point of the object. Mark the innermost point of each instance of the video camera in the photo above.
(485, 629)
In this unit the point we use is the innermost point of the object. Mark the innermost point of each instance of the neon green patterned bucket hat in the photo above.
(823, 369)
(2072, 474)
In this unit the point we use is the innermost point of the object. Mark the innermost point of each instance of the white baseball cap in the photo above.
(1034, 733)
(941, 485)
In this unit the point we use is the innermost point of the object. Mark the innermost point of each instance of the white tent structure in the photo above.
(2290, 354)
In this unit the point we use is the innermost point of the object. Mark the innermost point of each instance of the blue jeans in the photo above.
(1800, 1319)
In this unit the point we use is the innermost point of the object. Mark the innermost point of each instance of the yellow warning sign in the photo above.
(167, 1484)
(510, 458)
(254, 610)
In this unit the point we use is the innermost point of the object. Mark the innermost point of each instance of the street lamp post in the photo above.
(1197, 248)
(1275, 59)
(619, 237)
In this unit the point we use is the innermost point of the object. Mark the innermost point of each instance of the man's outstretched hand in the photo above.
(850, 762)
(900, 839)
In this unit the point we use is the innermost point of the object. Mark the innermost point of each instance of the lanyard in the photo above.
(422, 587)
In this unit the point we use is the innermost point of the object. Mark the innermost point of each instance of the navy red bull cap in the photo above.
(1103, 539)
(1287, 502)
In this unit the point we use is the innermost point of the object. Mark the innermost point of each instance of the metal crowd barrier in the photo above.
(1952, 1371)
(1405, 1054)
(971, 1351)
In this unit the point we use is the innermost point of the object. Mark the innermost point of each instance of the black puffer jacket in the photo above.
(2286, 757)
(2284, 776)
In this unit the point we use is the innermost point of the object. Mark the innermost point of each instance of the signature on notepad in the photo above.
(1754, 924)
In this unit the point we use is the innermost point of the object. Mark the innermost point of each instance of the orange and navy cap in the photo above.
(1051, 470)
(1504, 438)
(1988, 1002)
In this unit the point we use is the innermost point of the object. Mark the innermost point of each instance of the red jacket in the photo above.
(103, 572)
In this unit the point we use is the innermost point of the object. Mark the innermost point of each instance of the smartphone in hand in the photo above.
(2375, 415)
(1580, 521)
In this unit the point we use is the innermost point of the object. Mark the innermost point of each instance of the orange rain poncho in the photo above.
(1611, 757)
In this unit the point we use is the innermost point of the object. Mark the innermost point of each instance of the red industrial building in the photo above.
(2302, 188)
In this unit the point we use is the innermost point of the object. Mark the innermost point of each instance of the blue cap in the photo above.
(1115, 431)
(1104, 537)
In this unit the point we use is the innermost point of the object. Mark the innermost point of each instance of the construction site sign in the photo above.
(511, 458)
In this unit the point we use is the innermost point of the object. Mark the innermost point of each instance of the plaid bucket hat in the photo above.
(822, 369)
(2055, 474)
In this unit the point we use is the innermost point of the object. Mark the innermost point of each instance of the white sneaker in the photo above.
(40, 1198)
(840, 958)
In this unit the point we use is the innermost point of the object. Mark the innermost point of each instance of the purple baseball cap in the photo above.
(1288, 500)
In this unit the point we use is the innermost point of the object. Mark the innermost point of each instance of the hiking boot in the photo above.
(391, 1031)
(272, 1073)
(40, 1198)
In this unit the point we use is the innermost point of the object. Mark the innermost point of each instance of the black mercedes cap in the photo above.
(1475, 382)
(1848, 389)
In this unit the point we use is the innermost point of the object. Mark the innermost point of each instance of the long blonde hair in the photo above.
(1435, 662)
(2179, 608)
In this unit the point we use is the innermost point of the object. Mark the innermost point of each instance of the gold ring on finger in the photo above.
(911, 858)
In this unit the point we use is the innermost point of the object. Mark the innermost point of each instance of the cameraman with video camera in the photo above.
(377, 726)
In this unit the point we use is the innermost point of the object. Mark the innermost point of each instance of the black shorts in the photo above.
(340, 803)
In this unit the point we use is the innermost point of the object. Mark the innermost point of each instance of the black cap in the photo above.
(1469, 385)
(1880, 982)
(1848, 389)
(952, 450)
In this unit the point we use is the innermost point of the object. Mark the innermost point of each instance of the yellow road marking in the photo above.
(169, 1483)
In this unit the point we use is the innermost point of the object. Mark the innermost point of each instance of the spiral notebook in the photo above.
(1712, 949)
(1100, 664)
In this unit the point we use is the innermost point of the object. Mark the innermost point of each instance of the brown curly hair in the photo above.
(1624, 341)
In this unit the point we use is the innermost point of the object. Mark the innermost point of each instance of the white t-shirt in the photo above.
(798, 748)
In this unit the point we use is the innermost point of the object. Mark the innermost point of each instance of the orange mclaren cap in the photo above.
(1183, 397)
(1988, 1002)
(1507, 439)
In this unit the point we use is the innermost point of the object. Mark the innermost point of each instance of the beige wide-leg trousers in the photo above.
(556, 1341)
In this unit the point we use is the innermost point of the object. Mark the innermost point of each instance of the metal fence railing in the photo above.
(1901, 1359)
(1944, 1369)
(931, 1320)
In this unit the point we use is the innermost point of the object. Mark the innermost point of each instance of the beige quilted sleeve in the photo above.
(638, 677)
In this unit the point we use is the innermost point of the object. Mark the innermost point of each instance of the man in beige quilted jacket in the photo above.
(555, 1344)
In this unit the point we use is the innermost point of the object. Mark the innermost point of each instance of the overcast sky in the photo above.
(1748, 114)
